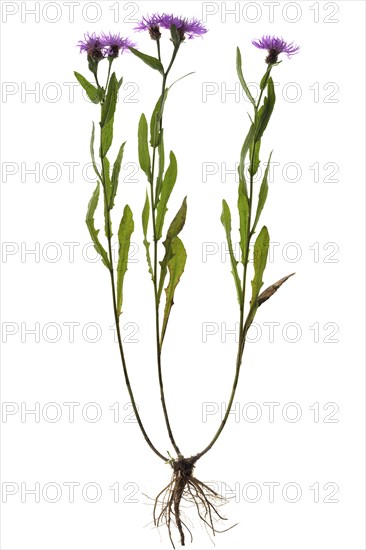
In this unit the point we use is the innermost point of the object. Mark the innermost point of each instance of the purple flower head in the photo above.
(92, 45)
(150, 23)
(190, 27)
(113, 44)
(275, 46)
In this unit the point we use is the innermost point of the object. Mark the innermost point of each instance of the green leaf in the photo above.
(156, 118)
(243, 208)
(93, 93)
(265, 112)
(159, 179)
(226, 222)
(109, 105)
(176, 267)
(180, 78)
(166, 189)
(254, 158)
(152, 62)
(263, 82)
(176, 39)
(93, 203)
(107, 138)
(107, 185)
(143, 147)
(260, 260)
(174, 229)
(124, 237)
(145, 224)
(241, 77)
(244, 151)
(263, 192)
(92, 154)
(115, 175)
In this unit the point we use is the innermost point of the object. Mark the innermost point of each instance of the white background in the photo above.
(318, 118)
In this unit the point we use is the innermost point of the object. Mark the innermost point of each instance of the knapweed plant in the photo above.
(165, 251)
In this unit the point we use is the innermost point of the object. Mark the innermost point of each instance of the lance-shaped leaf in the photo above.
(226, 222)
(244, 151)
(159, 179)
(263, 192)
(107, 119)
(239, 70)
(124, 238)
(265, 112)
(156, 118)
(243, 208)
(260, 260)
(93, 203)
(166, 189)
(93, 93)
(107, 138)
(92, 154)
(143, 147)
(152, 62)
(174, 229)
(254, 158)
(176, 267)
(107, 193)
(109, 105)
(145, 224)
(175, 36)
(115, 175)
(263, 82)
(266, 294)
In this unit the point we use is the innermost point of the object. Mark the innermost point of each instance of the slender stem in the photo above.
(155, 265)
(115, 311)
(110, 61)
(243, 327)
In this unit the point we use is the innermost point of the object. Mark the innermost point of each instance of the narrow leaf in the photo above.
(266, 294)
(226, 222)
(107, 186)
(244, 151)
(152, 62)
(180, 78)
(176, 267)
(174, 229)
(143, 147)
(145, 224)
(166, 189)
(260, 260)
(155, 119)
(124, 237)
(265, 112)
(115, 175)
(92, 154)
(263, 192)
(93, 203)
(109, 105)
(243, 208)
(254, 158)
(159, 179)
(241, 77)
(107, 138)
(92, 92)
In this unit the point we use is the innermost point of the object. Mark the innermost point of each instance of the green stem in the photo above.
(243, 327)
(115, 311)
(155, 265)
